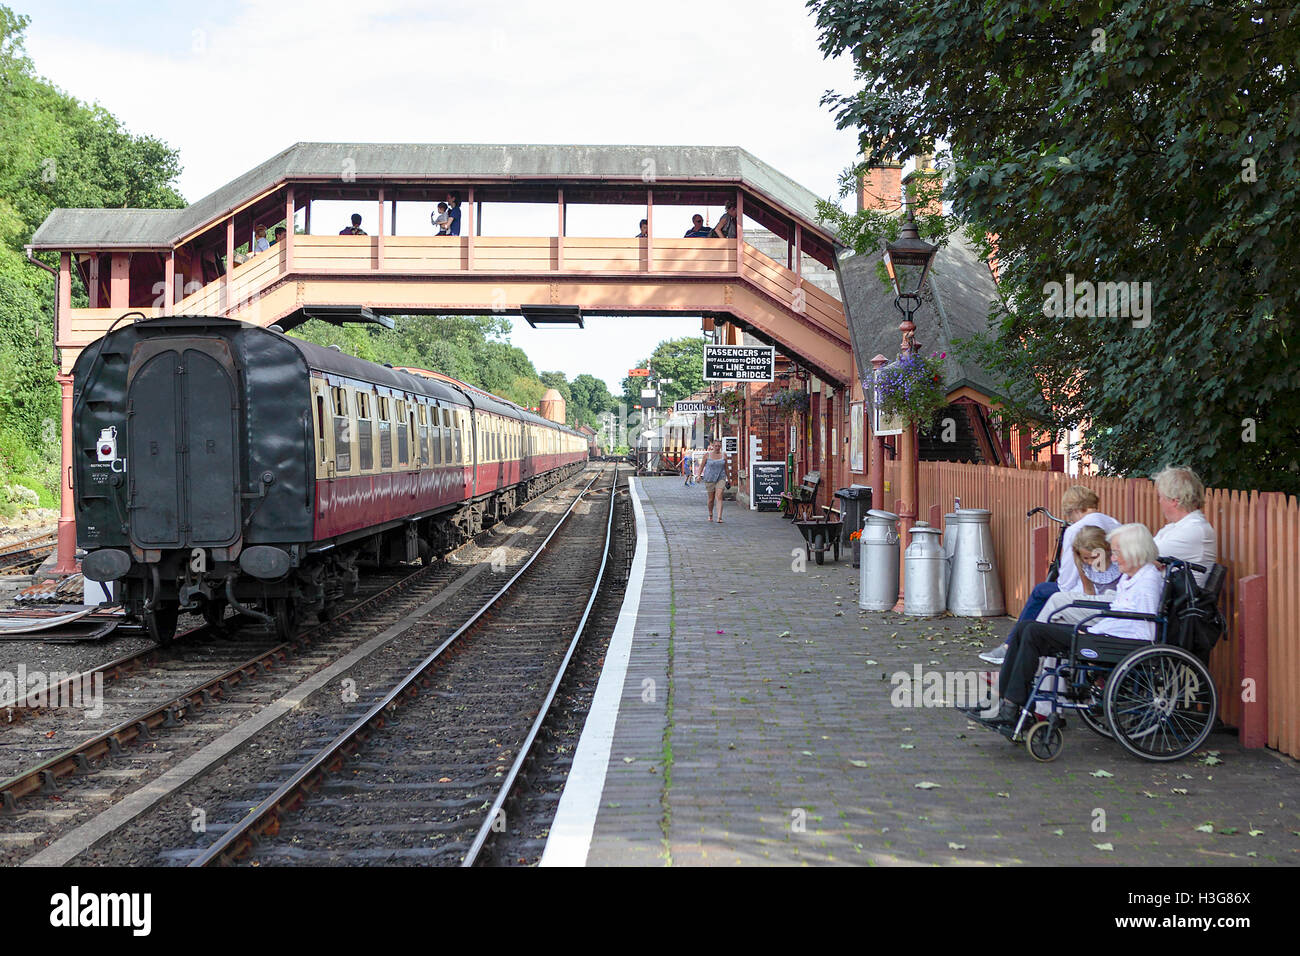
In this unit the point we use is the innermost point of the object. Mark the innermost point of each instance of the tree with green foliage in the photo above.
(1115, 142)
(681, 360)
(591, 398)
(54, 151)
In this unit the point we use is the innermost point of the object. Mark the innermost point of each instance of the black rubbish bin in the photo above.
(855, 502)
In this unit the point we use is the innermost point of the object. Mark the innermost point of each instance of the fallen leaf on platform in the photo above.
(1108, 847)
(906, 747)
(1256, 832)
(1228, 831)
(1180, 790)
(1059, 832)
(1101, 773)
(926, 785)
(784, 634)
(1205, 828)
(956, 846)
(1004, 796)
(629, 759)
(858, 763)
(872, 663)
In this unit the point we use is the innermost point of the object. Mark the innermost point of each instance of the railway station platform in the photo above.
(750, 714)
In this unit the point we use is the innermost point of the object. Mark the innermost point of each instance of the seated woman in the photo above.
(1139, 590)
(1080, 505)
(1099, 575)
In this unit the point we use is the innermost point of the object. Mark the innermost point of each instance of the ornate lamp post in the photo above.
(907, 260)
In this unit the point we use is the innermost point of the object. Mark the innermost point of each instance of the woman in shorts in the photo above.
(713, 472)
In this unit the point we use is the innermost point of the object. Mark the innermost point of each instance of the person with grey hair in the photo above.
(1188, 535)
(1139, 590)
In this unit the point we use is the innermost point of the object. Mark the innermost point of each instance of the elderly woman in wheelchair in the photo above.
(1135, 670)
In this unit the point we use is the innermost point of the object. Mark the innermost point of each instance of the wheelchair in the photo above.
(1156, 699)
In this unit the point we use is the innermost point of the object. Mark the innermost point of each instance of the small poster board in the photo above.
(730, 444)
(766, 483)
(880, 425)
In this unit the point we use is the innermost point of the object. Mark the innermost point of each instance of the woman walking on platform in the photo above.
(713, 472)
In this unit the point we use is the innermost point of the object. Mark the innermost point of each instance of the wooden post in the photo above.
(876, 449)
(473, 222)
(290, 215)
(306, 215)
(119, 281)
(67, 546)
(740, 238)
(559, 242)
(379, 234)
(230, 263)
(94, 280)
(1252, 657)
(169, 283)
(649, 229)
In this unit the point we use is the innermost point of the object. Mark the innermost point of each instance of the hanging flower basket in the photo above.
(792, 400)
(731, 401)
(912, 388)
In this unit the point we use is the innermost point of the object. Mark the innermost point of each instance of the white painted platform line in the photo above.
(575, 818)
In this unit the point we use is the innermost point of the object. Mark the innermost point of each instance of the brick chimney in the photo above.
(924, 166)
(881, 187)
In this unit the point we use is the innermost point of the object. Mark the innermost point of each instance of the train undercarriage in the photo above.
(277, 586)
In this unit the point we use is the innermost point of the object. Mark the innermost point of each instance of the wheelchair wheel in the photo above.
(1161, 702)
(1094, 717)
(1044, 742)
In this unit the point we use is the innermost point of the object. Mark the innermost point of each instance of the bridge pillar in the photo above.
(67, 547)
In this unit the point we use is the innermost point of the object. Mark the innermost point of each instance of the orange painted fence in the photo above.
(1257, 664)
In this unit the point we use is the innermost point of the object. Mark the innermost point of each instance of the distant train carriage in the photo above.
(219, 464)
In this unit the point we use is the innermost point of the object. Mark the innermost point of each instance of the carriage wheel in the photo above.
(819, 545)
(1161, 702)
(284, 615)
(1044, 741)
(161, 621)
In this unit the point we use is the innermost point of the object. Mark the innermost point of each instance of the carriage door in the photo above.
(182, 421)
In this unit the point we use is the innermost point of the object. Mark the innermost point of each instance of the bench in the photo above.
(799, 503)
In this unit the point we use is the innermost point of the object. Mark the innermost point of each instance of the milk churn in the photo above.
(879, 582)
(974, 587)
(924, 561)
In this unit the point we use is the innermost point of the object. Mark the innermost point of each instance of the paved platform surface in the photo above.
(739, 743)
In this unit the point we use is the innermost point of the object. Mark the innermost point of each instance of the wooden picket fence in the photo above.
(1259, 543)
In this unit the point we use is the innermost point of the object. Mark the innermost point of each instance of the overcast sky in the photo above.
(231, 84)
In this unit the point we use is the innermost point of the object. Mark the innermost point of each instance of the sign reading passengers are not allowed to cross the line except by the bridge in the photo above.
(739, 363)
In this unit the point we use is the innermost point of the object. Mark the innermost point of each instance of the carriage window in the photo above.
(320, 424)
(365, 433)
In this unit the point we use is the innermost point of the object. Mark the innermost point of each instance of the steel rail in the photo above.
(265, 817)
(46, 774)
(525, 749)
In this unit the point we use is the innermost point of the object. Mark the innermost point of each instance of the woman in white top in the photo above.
(1139, 590)
(1188, 535)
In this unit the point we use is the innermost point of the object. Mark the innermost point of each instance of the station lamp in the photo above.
(907, 260)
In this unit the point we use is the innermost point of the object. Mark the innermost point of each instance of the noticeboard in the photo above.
(766, 483)
(739, 363)
(694, 408)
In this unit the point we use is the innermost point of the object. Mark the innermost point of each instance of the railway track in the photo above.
(27, 555)
(433, 789)
(169, 701)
